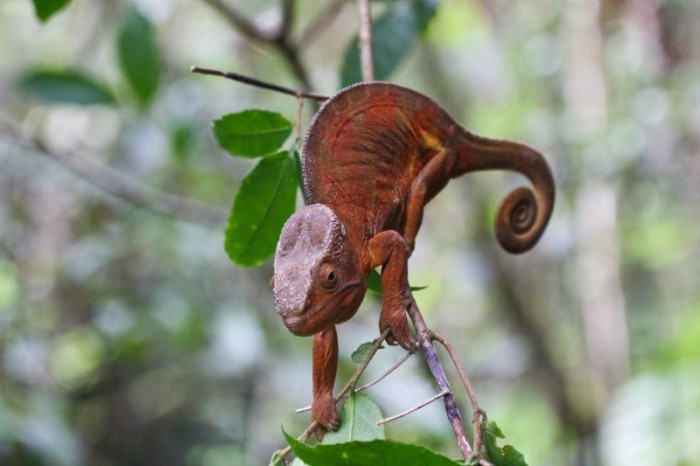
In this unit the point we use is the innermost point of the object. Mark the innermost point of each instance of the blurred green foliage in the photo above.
(394, 33)
(139, 58)
(68, 87)
(128, 337)
(497, 455)
(47, 8)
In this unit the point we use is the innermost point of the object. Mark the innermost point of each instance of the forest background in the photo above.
(128, 337)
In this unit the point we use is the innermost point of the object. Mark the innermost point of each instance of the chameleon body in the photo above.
(374, 155)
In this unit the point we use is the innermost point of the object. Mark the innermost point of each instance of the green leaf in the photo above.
(393, 35)
(359, 418)
(266, 199)
(65, 87)
(374, 283)
(500, 456)
(425, 11)
(45, 9)
(182, 140)
(252, 133)
(383, 452)
(362, 351)
(138, 56)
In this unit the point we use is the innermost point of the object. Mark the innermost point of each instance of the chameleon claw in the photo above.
(324, 412)
(400, 333)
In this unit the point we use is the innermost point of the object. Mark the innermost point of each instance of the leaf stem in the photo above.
(297, 121)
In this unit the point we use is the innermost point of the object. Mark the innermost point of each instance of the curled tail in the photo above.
(523, 214)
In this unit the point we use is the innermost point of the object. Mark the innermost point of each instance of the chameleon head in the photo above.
(317, 280)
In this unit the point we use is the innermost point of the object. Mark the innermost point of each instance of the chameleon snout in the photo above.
(294, 318)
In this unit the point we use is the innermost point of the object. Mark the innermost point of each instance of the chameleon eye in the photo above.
(328, 277)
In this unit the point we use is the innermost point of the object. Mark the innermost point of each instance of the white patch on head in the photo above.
(306, 239)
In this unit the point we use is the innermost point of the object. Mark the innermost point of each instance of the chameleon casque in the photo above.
(374, 155)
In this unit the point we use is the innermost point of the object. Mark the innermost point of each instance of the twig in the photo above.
(414, 409)
(257, 83)
(349, 385)
(121, 186)
(438, 372)
(278, 40)
(366, 58)
(239, 22)
(287, 19)
(396, 365)
(478, 415)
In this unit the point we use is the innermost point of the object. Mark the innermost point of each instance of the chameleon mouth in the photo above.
(330, 312)
(295, 324)
(294, 321)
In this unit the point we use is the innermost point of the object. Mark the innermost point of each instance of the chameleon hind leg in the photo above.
(429, 181)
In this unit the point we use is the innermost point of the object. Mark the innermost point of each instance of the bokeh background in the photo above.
(127, 337)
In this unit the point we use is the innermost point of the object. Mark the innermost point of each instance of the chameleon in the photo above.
(374, 155)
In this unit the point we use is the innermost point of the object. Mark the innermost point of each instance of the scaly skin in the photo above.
(374, 155)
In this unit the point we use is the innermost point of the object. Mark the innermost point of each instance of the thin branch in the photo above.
(288, 7)
(120, 185)
(478, 415)
(238, 21)
(366, 58)
(349, 385)
(396, 365)
(249, 30)
(438, 372)
(303, 410)
(257, 83)
(415, 408)
(278, 40)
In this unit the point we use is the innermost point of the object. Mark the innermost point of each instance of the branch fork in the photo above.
(425, 338)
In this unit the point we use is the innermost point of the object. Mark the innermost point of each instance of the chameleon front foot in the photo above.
(395, 318)
(324, 412)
